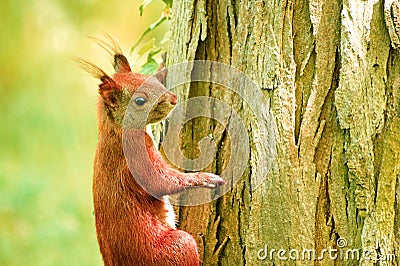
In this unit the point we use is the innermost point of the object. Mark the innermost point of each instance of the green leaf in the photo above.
(149, 29)
(143, 6)
(150, 67)
(166, 38)
(167, 2)
(153, 53)
(146, 47)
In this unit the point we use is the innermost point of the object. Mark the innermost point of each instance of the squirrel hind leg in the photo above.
(177, 248)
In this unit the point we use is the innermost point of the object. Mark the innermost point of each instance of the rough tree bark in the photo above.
(331, 71)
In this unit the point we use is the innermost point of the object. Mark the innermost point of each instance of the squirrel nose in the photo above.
(173, 99)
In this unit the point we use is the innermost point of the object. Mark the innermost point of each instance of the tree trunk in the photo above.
(330, 71)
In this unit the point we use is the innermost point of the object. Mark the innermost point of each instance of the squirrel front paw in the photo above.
(207, 180)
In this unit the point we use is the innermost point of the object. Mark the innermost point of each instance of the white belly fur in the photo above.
(170, 213)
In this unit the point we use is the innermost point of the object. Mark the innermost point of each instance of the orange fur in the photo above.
(131, 221)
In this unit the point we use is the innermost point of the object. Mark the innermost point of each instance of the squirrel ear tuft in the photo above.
(108, 87)
(121, 64)
(91, 68)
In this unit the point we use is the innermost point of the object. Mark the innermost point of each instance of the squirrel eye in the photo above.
(140, 101)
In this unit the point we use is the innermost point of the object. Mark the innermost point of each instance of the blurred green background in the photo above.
(48, 128)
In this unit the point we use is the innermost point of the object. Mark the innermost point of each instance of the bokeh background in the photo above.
(48, 128)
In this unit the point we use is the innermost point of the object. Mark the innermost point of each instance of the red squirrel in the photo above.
(135, 225)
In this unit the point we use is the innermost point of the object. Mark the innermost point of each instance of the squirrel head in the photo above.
(129, 98)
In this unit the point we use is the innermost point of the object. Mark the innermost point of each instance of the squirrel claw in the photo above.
(209, 185)
(210, 180)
